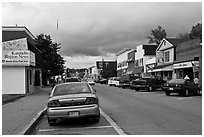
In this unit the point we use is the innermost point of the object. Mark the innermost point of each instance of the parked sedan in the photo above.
(72, 100)
(181, 86)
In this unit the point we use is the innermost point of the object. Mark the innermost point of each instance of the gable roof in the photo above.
(172, 41)
(150, 49)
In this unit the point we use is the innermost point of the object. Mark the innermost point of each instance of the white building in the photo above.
(21, 71)
(93, 73)
(122, 65)
(142, 54)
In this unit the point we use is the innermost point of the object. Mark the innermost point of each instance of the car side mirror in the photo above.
(94, 91)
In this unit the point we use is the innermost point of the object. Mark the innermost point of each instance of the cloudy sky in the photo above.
(89, 32)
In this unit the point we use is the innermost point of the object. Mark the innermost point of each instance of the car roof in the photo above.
(67, 83)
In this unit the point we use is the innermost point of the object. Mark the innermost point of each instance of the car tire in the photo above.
(197, 93)
(52, 122)
(150, 88)
(167, 93)
(186, 92)
(137, 89)
(96, 119)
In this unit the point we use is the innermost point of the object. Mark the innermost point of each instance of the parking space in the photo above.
(75, 127)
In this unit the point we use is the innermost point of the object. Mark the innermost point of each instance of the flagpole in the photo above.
(57, 31)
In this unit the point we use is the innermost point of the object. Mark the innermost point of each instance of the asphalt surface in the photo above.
(136, 113)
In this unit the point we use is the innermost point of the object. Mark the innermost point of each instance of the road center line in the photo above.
(113, 124)
(60, 129)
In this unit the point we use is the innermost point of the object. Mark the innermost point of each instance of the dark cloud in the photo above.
(100, 29)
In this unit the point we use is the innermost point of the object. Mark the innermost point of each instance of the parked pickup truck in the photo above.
(147, 84)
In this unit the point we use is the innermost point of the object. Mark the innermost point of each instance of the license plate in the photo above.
(171, 89)
(73, 114)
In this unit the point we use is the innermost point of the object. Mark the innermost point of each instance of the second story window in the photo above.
(166, 56)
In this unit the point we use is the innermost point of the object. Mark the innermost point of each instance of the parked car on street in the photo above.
(147, 83)
(181, 86)
(103, 81)
(114, 81)
(119, 82)
(72, 100)
(91, 82)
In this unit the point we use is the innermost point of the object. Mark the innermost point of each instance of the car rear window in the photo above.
(72, 80)
(71, 89)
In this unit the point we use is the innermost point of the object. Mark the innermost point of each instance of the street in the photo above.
(136, 113)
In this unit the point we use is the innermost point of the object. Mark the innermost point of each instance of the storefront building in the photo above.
(122, 64)
(142, 54)
(106, 69)
(21, 61)
(165, 57)
(188, 55)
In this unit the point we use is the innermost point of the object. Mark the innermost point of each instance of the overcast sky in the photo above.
(89, 32)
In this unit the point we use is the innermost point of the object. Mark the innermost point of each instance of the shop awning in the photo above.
(166, 68)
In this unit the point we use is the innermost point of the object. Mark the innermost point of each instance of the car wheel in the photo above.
(52, 122)
(150, 88)
(137, 89)
(96, 119)
(197, 92)
(187, 92)
(167, 93)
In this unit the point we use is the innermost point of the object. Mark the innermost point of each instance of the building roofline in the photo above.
(18, 28)
(122, 51)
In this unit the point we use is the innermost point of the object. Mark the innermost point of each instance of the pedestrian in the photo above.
(186, 77)
(196, 80)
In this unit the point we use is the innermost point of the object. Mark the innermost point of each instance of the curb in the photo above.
(28, 128)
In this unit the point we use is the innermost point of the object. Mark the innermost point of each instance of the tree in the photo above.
(52, 60)
(157, 35)
(196, 31)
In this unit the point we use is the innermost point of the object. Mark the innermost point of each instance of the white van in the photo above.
(114, 81)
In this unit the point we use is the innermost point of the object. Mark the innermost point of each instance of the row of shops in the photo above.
(172, 58)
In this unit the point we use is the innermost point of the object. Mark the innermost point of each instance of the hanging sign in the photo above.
(19, 58)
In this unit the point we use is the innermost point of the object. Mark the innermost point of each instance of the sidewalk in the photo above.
(16, 115)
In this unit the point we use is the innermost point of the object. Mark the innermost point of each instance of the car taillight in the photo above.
(54, 103)
(166, 84)
(91, 100)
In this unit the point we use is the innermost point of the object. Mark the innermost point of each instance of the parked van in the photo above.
(114, 81)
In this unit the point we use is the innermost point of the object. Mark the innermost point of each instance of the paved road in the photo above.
(137, 113)
(153, 113)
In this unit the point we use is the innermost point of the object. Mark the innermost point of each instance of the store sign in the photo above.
(18, 44)
(183, 65)
(16, 53)
(19, 58)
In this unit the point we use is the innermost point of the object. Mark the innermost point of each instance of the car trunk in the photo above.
(73, 100)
